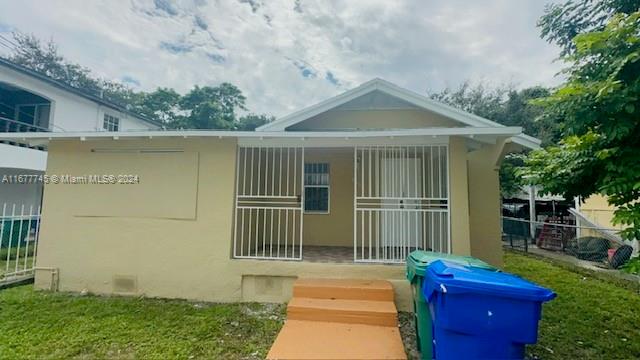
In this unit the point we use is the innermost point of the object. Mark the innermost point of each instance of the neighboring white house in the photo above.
(31, 101)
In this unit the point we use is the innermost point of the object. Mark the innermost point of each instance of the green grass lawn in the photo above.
(56, 325)
(590, 319)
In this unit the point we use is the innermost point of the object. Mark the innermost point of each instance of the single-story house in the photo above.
(346, 188)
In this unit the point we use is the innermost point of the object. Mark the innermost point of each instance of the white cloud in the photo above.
(285, 54)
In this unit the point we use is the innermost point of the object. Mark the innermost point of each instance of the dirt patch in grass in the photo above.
(408, 332)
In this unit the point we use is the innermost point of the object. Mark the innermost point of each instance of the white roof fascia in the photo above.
(404, 94)
(458, 131)
(388, 88)
(527, 141)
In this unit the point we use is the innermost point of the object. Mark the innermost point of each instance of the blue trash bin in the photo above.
(481, 314)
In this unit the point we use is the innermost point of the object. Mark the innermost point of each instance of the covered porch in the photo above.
(342, 204)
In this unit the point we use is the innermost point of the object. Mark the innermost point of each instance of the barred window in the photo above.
(316, 188)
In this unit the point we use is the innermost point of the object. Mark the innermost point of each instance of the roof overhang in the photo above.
(488, 135)
(526, 141)
(75, 91)
(410, 97)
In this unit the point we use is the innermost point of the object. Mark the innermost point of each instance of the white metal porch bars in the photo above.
(19, 230)
(401, 201)
(269, 202)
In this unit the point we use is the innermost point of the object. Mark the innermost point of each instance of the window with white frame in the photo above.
(111, 123)
(316, 188)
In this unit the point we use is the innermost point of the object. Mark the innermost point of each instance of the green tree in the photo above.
(510, 107)
(250, 122)
(207, 107)
(504, 105)
(562, 22)
(45, 58)
(161, 104)
(600, 105)
(211, 107)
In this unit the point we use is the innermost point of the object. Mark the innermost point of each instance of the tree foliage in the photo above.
(250, 122)
(207, 107)
(45, 59)
(505, 105)
(510, 107)
(600, 105)
(562, 22)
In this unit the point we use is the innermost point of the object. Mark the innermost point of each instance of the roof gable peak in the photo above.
(388, 88)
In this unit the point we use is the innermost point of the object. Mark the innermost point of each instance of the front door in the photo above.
(401, 201)
(401, 225)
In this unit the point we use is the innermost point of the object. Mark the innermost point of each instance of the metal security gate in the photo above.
(19, 231)
(269, 203)
(401, 201)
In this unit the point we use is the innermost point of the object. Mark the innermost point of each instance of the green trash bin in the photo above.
(417, 263)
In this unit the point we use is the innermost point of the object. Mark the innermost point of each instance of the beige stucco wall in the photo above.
(374, 119)
(102, 240)
(335, 228)
(484, 203)
(171, 235)
(458, 197)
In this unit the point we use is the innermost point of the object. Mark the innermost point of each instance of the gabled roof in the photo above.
(79, 92)
(393, 90)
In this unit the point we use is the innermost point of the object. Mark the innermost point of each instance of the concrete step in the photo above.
(327, 341)
(347, 289)
(368, 312)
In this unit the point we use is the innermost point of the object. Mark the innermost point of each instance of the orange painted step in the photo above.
(328, 341)
(381, 313)
(347, 289)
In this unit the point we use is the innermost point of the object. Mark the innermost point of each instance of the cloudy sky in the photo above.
(285, 54)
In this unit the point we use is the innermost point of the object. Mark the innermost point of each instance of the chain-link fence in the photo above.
(566, 235)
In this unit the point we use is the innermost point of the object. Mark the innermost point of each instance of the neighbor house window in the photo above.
(111, 123)
(316, 188)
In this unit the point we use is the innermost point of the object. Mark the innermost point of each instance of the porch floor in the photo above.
(327, 254)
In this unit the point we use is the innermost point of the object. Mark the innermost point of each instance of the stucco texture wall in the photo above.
(336, 227)
(484, 203)
(168, 236)
(171, 234)
(374, 119)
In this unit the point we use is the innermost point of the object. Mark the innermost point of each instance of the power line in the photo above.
(8, 40)
(7, 46)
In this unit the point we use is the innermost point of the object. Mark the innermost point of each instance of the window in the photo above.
(316, 188)
(111, 123)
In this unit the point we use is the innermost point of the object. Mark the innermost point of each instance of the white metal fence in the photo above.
(269, 203)
(401, 201)
(19, 230)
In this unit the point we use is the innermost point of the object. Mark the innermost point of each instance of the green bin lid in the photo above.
(418, 260)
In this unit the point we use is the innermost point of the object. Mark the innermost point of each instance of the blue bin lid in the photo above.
(448, 277)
